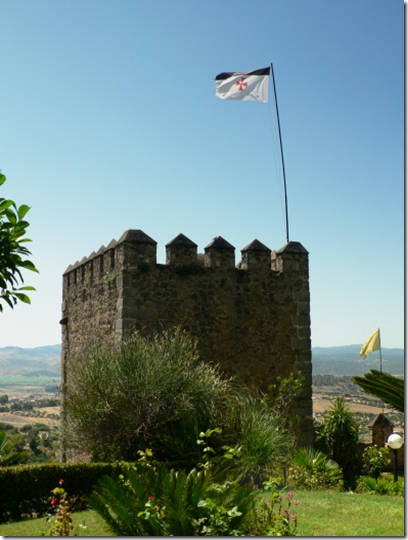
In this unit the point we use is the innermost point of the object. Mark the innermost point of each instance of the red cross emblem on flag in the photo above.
(241, 84)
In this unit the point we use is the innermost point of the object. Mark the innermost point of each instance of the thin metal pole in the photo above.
(283, 161)
(382, 402)
(395, 464)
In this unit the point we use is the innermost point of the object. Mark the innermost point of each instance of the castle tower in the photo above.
(252, 319)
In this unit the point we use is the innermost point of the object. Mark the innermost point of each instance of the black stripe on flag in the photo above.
(228, 74)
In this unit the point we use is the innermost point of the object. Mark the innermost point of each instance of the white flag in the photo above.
(243, 85)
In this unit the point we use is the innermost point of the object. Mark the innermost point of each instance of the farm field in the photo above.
(320, 405)
(18, 420)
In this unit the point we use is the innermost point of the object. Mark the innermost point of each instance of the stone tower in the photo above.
(251, 318)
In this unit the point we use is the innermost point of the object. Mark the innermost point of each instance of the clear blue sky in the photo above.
(109, 122)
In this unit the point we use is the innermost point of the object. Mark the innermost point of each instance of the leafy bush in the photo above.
(375, 460)
(25, 489)
(381, 486)
(156, 393)
(142, 393)
(265, 443)
(161, 502)
(13, 228)
(151, 500)
(313, 470)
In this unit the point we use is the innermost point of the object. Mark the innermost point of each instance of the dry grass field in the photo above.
(321, 405)
(18, 420)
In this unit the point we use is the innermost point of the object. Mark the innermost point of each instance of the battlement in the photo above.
(251, 317)
(219, 254)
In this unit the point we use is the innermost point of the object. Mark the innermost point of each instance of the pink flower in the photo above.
(292, 516)
(289, 495)
(54, 501)
(295, 501)
(61, 481)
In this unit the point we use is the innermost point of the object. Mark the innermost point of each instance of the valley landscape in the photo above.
(30, 377)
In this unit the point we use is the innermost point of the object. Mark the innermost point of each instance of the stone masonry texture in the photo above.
(250, 318)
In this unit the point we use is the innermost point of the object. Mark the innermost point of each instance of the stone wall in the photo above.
(251, 318)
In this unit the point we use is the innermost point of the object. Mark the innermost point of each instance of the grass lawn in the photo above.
(320, 513)
(331, 513)
(95, 526)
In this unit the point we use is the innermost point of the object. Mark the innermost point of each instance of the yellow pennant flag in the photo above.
(372, 344)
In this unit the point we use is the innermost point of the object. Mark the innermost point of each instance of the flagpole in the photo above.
(379, 350)
(283, 161)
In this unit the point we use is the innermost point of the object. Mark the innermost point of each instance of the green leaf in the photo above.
(22, 297)
(22, 211)
(5, 204)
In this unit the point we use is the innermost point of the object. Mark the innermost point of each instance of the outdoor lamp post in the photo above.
(395, 442)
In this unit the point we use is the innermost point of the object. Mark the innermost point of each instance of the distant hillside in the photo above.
(344, 360)
(39, 361)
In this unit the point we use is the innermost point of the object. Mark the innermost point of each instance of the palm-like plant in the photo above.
(8, 455)
(155, 501)
(337, 437)
(388, 388)
(313, 469)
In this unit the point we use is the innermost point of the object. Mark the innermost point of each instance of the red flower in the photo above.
(61, 481)
(150, 497)
(54, 501)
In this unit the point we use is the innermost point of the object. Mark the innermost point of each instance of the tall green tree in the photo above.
(337, 437)
(13, 252)
(387, 387)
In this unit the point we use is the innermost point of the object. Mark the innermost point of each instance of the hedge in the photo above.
(26, 489)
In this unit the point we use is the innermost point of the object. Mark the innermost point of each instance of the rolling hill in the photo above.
(343, 360)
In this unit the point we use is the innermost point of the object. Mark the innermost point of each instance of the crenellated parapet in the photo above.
(138, 251)
(181, 251)
(252, 317)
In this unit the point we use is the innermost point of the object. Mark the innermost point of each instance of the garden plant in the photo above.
(152, 500)
(13, 228)
(156, 393)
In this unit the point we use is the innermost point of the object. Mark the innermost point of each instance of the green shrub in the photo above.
(375, 460)
(381, 486)
(263, 438)
(142, 393)
(151, 500)
(25, 489)
(156, 393)
(312, 469)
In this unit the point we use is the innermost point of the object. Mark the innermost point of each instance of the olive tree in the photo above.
(13, 252)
